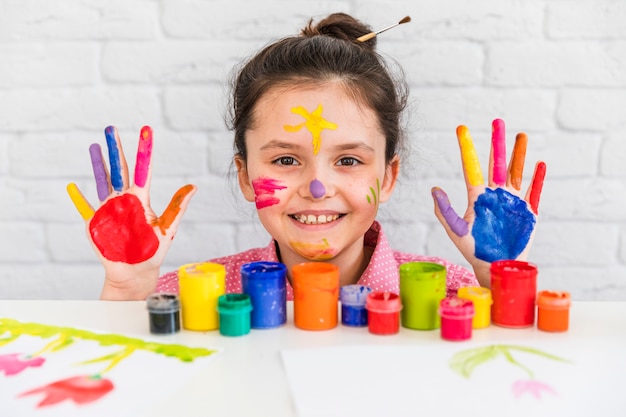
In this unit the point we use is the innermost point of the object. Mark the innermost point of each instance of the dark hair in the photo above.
(326, 51)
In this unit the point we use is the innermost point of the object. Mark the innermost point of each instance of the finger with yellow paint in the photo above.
(81, 203)
(471, 165)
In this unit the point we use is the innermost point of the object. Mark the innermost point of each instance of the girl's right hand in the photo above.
(126, 234)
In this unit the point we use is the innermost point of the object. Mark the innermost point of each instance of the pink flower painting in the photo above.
(14, 363)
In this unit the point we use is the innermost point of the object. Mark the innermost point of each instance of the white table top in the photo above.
(251, 376)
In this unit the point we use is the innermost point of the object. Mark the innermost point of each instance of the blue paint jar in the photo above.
(265, 283)
(353, 312)
(234, 312)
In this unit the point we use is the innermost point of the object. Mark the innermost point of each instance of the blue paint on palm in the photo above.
(503, 225)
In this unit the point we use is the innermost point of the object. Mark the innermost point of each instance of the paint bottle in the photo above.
(315, 295)
(265, 283)
(481, 297)
(456, 318)
(164, 313)
(201, 284)
(353, 298)
(553, 311)
(514, 289)
(383, 312)
(234, 311)
(422, 287)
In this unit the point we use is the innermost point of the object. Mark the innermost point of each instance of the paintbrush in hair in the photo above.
(370, 35)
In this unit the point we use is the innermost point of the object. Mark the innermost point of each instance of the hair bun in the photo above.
(340, 26)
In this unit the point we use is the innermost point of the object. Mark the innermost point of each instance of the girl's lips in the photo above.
(316, 219)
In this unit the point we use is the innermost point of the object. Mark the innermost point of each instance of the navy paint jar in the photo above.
(265, 283)
(353, 298)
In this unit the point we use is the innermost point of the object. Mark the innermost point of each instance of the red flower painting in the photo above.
(79, 389)
(14, 363)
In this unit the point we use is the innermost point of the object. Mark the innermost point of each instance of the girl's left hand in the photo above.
(497, 223)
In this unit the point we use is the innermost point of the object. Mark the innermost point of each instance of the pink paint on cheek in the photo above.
(264, 189)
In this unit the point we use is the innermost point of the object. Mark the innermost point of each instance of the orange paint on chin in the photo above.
(314, 251)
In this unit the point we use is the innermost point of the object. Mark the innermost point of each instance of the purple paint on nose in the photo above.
(317, 189)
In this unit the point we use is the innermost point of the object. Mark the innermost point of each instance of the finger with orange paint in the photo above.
(471, 166)
(175, 209)
(516, 166)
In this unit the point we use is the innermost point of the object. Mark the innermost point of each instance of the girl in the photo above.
(316, 119)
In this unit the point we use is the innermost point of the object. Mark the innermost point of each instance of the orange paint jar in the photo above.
(315, 295)
(553, 311)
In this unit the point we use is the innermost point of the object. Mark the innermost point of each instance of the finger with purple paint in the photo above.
(100, 172)
(144, 157)
(497, 159)
(119, 168)
(447, 215)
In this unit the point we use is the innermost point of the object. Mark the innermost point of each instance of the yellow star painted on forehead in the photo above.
(314, 123)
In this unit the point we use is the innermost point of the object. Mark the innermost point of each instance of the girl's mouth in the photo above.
(312, 219)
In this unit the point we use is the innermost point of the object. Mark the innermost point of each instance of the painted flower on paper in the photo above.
(79, 389)
(531, 386)
(14, 363)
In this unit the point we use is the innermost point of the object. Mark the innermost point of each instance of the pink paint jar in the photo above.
(513, 290)
(383, 312)
(456, 318)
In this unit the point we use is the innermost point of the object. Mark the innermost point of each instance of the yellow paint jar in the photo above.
(200, 285)
(481, 297)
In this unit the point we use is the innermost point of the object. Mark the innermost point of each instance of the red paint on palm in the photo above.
(120, 231)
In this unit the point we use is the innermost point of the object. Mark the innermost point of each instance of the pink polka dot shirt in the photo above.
(381, 274)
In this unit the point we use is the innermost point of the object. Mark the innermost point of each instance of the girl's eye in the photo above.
(286, 160)
(347, 161)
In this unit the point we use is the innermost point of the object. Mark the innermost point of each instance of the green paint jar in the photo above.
(422, 287)
(234, 311)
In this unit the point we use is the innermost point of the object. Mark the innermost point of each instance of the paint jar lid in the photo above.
(475, 294)
(556, 300)
(264, 270)
(163, 303)
(202, 269)
(457, 308)
(234, 304)
(354, 295)
(383, 302)
(520, 269)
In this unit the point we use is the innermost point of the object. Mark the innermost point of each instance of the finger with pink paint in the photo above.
(451, 221)
(117, 160)
(497, 159)
(471, 166)
(144, 157)
(100, 172)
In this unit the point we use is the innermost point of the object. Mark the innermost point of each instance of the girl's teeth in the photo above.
(321, 219)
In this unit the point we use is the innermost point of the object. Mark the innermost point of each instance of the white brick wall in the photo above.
(68, 68)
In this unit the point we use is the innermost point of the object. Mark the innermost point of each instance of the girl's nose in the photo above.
(317, 189)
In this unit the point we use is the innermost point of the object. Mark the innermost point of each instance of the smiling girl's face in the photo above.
(316, 170)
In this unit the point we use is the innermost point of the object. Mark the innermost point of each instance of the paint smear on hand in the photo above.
(99, 172)
(503, 225)
(120, 231)
(499, 152)
(114, 159)
(314, 122)
(517, 161)
(264, 189)
(314, 251)
(471, 166)
(144, 155)
(458, 225)
(317, 189)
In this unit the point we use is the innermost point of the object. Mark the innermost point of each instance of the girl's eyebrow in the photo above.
(278, 144)
(355, 145)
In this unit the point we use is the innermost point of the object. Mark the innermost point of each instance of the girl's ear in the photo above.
(391, 176)
(244, 180)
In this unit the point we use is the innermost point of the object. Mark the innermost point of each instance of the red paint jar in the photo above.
(514, 290)
(456, 318)
(383, 312)
(553, 311)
